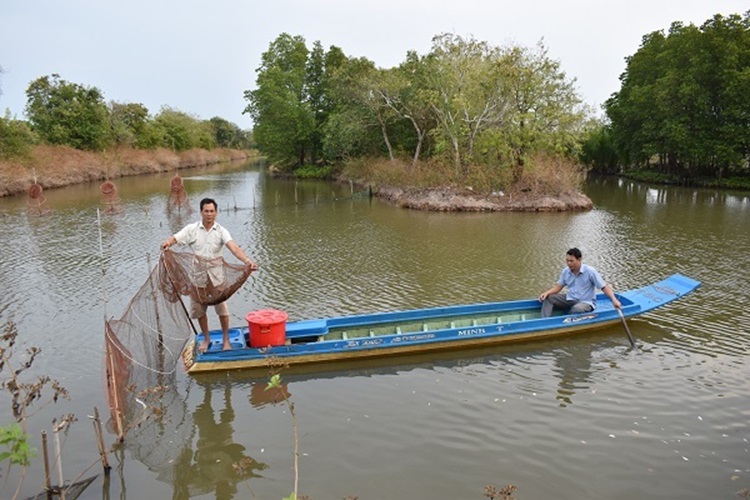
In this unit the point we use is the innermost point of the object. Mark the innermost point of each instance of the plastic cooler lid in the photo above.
(266, 317)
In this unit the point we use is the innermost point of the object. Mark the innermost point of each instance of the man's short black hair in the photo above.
(206, 201)
(575, 253)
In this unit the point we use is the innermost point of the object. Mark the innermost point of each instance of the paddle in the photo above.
(625, 324)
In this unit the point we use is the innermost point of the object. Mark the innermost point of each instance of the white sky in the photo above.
(200, 56)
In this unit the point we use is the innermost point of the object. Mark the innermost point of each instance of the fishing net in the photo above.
(143, 347)
(178, 198)
(36, 201)
(110, 198)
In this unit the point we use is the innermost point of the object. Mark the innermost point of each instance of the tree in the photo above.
(181, 131)
(279, 106)
(598, 150)
(317, 97)
(16, 137)
(469, 91)
(683, 106)
(351, 129)
(227, 134)
(544, 111)
(67, 113)
(128, 122)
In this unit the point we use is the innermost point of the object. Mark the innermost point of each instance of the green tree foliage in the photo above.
(67, 113)
(464, 102)
(280, 106)
(73, 115)
(467, 92)
(16, 138)
(598, 150)
(229, 135)
(683, 106)
(180, 131)
(546, 113)
(128, 122)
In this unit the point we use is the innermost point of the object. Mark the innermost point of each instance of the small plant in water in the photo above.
(505, 493)
(275, 383)
(14, 441)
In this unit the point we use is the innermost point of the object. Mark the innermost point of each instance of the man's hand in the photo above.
(168, 243)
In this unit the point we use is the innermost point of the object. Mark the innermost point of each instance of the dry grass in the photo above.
(543, 175)
(57, 166)
(552, 176)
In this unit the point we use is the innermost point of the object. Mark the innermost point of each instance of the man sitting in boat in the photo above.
(582, 281)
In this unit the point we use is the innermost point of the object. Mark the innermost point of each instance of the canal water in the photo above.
(572, 418)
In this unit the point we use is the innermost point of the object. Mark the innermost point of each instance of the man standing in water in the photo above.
(582, 281)
(206, 238)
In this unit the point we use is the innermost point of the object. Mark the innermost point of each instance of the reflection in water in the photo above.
(574, 369)
(218, 463)
(549, 405)
(261, 394)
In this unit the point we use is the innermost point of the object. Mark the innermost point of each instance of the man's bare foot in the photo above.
(204, 345)
(227, 346)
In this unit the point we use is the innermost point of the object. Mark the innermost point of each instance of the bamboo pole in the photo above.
(58, 455)
(100, 441)
(113, 380)
(45, 452)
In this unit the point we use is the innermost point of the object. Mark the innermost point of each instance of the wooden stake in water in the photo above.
(58, 453)
(100, 441)
(45, 453)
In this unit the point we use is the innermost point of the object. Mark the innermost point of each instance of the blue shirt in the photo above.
(582, 288)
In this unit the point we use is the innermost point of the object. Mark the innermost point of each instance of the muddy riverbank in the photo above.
(58, 166)
(465, 200)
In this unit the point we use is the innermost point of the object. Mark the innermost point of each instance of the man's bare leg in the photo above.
(203, 322)
(225, 332)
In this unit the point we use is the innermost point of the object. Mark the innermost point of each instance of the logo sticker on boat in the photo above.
(579, 318)
(413, 338)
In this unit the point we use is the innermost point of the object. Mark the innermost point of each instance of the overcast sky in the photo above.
(200, 56)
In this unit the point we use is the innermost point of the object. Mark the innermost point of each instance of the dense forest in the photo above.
(683, 110)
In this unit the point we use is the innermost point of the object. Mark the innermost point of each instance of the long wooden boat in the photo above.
(416, 331)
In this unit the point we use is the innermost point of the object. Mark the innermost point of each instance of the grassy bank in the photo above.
(545, 184)
(57, 166)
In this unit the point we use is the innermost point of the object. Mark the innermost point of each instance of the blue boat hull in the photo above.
(417, 331)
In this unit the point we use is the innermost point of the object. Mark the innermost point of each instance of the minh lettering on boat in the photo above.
(471, 331)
